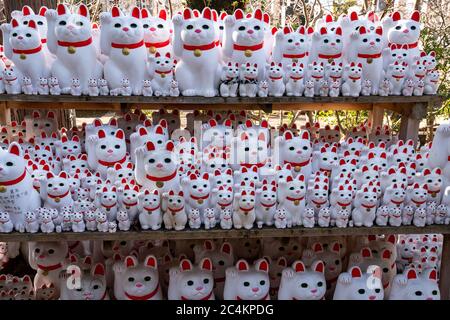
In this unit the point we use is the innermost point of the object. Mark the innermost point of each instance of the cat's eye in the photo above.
(167, 160)
(320, 284)
(14, 34)
(361, 291)
(205, 27)
(147, 278)
(151, 160)
(190, 283)
(79, 289)
(62, 23)
(103, 147)
(262, 282)
(413, 28)
(95, 287)
(133, 25)
(117, 146)
(257, 27)
(206, 281)
(79, 23)
(246, 284)
(326, 41)
(51, 251)
(117, 25)
(304, 285)
(434, 292)
(418, 293)
(221, 263)
(40, 23)
(377, 290)
(28, 35)
(130, 279)
(398, 27)
(189, 27)
(37, 250)
(9, 164)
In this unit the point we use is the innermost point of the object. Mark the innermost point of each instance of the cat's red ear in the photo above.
(151, 261)
(14, 148)
(14, 24)
(356, 272)
(162, 14)
(61, 9)
(206, 264)
(83, 10)
(130, 262)
(99, 269)
(185, 265)
(242, 265)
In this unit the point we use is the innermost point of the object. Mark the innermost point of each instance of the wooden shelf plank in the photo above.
(219, 233)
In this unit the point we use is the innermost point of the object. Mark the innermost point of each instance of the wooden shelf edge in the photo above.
(220, 233)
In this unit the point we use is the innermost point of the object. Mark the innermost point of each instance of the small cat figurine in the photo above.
(229, 80)
(27, 86)
(93, 89)
(163, 74)
(103, 87)
(147, 90)
(408, 87)
(248, 85)
(275, 79)
(174, 213)
(366, 88)
(75, 88)
(150, 210)
(43, 88)
(295, 80)
(352, 84)
(263, 89)
(174, 91)
(54, 86)
(125, 89)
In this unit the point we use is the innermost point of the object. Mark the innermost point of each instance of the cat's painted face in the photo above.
(251, 283)
(57, 184)
(370, 42)
(199, 30)
(231, 70)
(126, 28)
(159, 162)
(404, 31)
(73, 26)
(156, 28)
(40, 20)
(249, 70)
(295, 187)
(328, 42)
(149, 199)
(355, 70)
(93, 285)
(300, 283)
(194, 282)
(70, 147)
(360, 286)
(108, 195)
(12, 164)
(317, 69)
(37, 123)
(248, 30)
(296, 148)
(24, 36)
(428, 60)
(221, 258)
(72, 164)
(223, 178)
(140, 279)
(418, 286)
(294, 42)
(48, 253)
(111, 148)
(330, 257)
(129, 194)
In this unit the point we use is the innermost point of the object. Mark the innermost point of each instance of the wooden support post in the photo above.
(376, 116)
(444, 281)
(5, 113)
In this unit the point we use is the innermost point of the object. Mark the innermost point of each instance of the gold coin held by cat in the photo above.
(248, 53)
(197, 52)
(125, 51)
(71, 50)
(159, 184)
(22, 56)
(152, 50)
(2, 189)
(45, 273)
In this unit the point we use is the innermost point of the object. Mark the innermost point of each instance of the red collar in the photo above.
(295, 199)
(275, 78)
(354, 78)
(396, 202)
(248, 78)
(299, 164)
(163, 72)
(249, 165)
(129, 204)
(109, 207)
(369, 56)
(330, 56)
(200, 47)
(157, 44)
(419, 76)
(50, 268)
(418, 202)
(175, 210)
(75, 44)
(296, 78)
(410, 45)
(204, 298)
(128, 45)
(111, 164)
(166, 178)
(335, 77)
(43, 40)
(151, 209)
(434, 81)
(144, 297)
(15, 181)
(268, 205)
(263, 298)
(317, 77)
(295, 56)
(319, 203)
(398, 77)
(53, 196)
(344, 204)
(224, 204)
(28, 51)
(200, 198)
(368, 207)
(246, 210)
(245, 48)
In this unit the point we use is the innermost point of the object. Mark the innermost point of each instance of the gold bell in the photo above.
(22, 56)
(200, 201)
(248, 53)
(128, 208)
(45, 273)
(330, 60)
(295, 60)
(297, 168)
(369, 60)
(163, 75)
(159, 184)
(71, 50)
(197, 52)
(368, 210)
(2, 189)
(57, 200)
(125, 51)
(152, 50)
(297, 202)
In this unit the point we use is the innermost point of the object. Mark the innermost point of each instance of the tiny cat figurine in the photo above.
(324, 88)
(282, 219)
(124, 45)
(147, 90)
(10, 79)
(408, 88)
(209, 218)
(198, 71)
(134, 280)
(54, 86)
(352, 84)
(245, 282)
(93, 89)
(229, 80)
(244, 210)
(365, 203)
(431, 82)
(194, 218)
(366, 88)
(174, 91)
(71, 45)
(6, 226)
(78, 224)
(316, 73)
(31, 222)
(295, 80)
(309, 89)
(266, 201)
(163, 74)
(43, 88)
(226, 219)
(102, 221)
(248, 84)
(397, 73)
(103, 87)
(174, 213)
(313, 284)
(308, 219)
(263, 89)
(324, 217)
(27, 86)
(75, 87)
(275, 79)
(123, 220)
(199, 280)
(150, 210)
(419, 88)
(420, 217)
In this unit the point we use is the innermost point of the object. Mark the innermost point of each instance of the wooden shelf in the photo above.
(220, 233)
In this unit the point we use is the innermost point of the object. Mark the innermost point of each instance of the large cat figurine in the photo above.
(404, 32)
(122, 40)
(327, 46)
(93, 285)
(291, 46)
(17, 194)
(198, 71)
(157, 32)
(22, 45)
(70, 39)
(244, 40)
